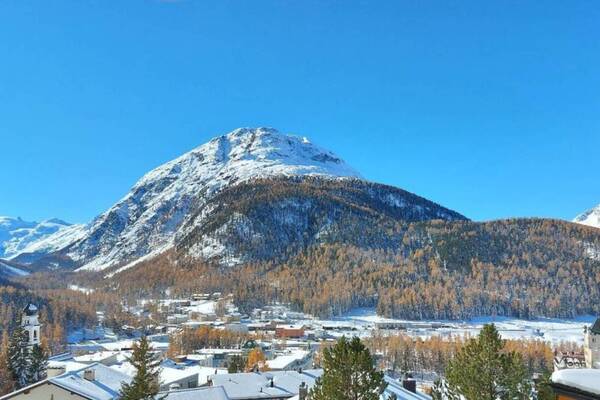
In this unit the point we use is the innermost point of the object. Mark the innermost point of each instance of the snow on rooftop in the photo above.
(587, 380)
(285, 360)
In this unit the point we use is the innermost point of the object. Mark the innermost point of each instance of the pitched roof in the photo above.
(596, 327)
(587, 381)
(105, 386)
(30, 309)
(203, 393)
(257, 385)
(395, 387)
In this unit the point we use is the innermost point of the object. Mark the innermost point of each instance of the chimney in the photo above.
(409, 384)
(302, 391)
(89, 374)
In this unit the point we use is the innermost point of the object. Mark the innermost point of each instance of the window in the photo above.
(34, 334)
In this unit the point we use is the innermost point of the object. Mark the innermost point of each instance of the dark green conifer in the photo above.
(145, 383)
(38, 364)
(482, 370)
(18, 356)
(348, 373)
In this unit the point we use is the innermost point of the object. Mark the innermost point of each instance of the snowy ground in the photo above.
(362, 320)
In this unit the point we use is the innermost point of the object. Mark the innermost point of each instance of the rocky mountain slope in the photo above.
(590, 217)
(214, 202)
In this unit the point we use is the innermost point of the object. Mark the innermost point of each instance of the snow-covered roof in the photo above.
(284, 360)
(97, 356)
(203, 393)
(395, 387)
(586, 380)
(258, 384)
(105, 385)
(170, 374)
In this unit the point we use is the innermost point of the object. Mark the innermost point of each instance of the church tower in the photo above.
(31, 324)
(591, 345)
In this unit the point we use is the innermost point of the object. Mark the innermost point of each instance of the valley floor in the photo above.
(553, 330)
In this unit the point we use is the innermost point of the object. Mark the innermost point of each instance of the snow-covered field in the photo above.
(362, 321)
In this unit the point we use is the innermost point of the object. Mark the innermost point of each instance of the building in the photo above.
(290, 359)
(576, 384)
(289, 331)
(272, 385)
(204, 393)
(94, 382)
(568, 359)
(30, 322)
(591, 345)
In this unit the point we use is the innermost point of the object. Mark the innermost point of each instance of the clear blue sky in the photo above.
(491, 108)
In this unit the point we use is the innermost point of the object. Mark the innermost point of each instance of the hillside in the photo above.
(434, 269)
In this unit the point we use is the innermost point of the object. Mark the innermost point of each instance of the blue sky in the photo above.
(490, 108)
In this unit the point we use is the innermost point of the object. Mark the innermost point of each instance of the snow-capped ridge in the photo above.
(590, 217)
(16, 234)
(148, 217)
(168, 202)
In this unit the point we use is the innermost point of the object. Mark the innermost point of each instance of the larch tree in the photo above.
(256, 361)
(6, 379)
(348, 373)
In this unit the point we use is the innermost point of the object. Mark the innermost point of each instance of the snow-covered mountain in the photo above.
(590, 217)
(176, 198)
(16, 234)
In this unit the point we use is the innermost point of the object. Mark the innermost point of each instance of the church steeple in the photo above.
(30, 322)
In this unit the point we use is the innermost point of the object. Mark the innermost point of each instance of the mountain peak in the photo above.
(171, 202)
(591, 217)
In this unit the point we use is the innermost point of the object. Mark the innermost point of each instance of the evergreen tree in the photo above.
(236, 364)
(482, 370)
(348, 373)
(18, 356)
(543, 389)
(145, 383)
(38, 364)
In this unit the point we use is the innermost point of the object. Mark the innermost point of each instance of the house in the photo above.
(405, 390)
(576, 384)
(107, 358)
(289, 331)
(568, 359)
(220, 357)
(272, 385)
(591, 345)
(291, 359)
(204, 393)
(94, 382)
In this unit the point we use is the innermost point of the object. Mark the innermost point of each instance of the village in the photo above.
(273, 353)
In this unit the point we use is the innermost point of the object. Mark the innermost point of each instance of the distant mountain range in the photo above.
(17, 235)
